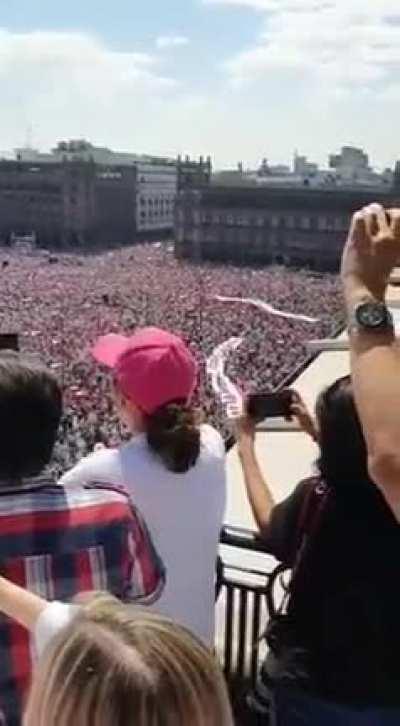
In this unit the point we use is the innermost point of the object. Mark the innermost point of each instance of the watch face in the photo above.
(372, 315)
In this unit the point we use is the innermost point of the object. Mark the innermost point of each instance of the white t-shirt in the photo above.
(184, 514)
(55, 616)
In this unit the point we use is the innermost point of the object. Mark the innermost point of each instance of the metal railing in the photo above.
(243, 591)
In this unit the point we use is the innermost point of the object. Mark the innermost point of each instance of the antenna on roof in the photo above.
(29, 137)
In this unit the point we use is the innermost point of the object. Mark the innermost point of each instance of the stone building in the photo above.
(293, 226)
(82, 194)
(193, 173)
(67, 203)
(155, 198)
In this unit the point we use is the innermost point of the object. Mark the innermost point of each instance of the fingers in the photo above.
(295, 397)
(376, 222)
(394, 216)
(358, 229)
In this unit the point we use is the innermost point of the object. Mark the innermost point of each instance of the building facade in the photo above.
(193, 174)
(82, 194)
(67, 203)
(299, 227)
(155, 198)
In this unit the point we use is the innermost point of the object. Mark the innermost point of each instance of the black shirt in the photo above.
(341, 636)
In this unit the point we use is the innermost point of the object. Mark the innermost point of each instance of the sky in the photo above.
(237, 79)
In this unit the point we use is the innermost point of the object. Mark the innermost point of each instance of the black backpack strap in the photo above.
(312, 510)
(314, 507)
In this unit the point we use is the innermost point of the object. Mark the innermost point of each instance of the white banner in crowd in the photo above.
(266, 307)
(223, 387)
(227, 392)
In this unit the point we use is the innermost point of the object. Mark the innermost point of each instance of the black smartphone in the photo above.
(270, 405)
(9, 341)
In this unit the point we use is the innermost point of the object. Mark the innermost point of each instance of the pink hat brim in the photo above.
(109, 348)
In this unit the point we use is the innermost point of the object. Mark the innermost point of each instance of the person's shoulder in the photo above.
(98, 465)
(212, 441)
(100, 456)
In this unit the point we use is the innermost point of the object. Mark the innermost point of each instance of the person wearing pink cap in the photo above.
(173, 467)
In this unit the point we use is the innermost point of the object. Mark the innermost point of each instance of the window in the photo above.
(275, 221)
(305, 222)
(322, 223)
(290, 221)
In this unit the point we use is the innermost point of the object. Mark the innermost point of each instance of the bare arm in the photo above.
(259, 495)
(375, 367)
(375, 357)
(20, 604)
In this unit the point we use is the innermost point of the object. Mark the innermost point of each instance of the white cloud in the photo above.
(339, 42)
(87, 60)
(70, 84)
(73, 85)
(171, 41)
(273, 5)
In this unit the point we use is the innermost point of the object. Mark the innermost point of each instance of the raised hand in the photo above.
(372, 250)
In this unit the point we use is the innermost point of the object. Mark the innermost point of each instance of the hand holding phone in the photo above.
(270, 405)
(304, 417)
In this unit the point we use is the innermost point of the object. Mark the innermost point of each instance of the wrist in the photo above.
(246, 447)
(311, 429)
(356, 290)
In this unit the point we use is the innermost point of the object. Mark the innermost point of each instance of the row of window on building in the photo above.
(156, 215)
(305, 222)
(164, 201)
(246, 236)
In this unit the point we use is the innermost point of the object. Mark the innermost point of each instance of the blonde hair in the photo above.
(117, 665)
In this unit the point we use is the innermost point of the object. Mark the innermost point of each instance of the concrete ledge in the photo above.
(277, 425)
(327, 344)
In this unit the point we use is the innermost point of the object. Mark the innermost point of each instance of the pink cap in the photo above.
(152, 367)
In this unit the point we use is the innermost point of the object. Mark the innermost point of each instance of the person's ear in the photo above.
(132, 414)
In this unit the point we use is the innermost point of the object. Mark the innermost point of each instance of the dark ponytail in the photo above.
(173, 434)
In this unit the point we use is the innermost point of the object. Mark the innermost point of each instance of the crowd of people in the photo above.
(140, 521)
(59, 309)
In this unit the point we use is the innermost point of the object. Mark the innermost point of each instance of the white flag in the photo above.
(223, 387)
(266, 307)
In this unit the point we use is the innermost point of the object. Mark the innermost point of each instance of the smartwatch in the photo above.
(371, 316)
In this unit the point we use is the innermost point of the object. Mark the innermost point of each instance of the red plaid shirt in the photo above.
(59, 542)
